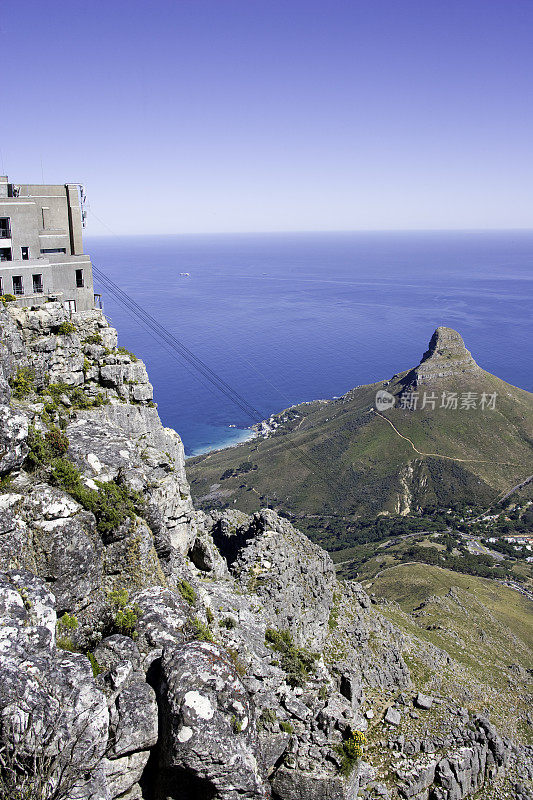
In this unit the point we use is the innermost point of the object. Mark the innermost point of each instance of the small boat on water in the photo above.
(185, 274)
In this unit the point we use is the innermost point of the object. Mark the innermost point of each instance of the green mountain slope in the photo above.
(485, 628)
(342, 458)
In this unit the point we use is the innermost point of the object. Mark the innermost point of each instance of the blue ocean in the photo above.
(284, 318)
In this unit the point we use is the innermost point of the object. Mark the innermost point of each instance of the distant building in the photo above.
(41, 248)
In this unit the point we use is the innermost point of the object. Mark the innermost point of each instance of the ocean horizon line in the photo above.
(308, 232)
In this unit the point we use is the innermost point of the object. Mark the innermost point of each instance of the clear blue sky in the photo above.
(252, 115)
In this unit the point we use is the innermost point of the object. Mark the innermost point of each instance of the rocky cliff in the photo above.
(148, 650)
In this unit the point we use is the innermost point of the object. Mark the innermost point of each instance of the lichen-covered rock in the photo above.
(208, 724)
(133, 719)
(290, 784)
(297, 593)
(163, 616)
(47, 532)
(49, 702)
(13, 439)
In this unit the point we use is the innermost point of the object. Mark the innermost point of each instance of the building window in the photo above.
(37, 284)
(79, 279)
(18, 286)
(46, 217)
(5, 254)
(53, 250)
(1, 286)
(25, 253)
(5, 228)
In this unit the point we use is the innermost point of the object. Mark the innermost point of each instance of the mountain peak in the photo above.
(446, 356)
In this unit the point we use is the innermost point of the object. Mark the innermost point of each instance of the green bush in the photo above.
(94, 338)
(111, 504)
(295, 661)
(124, 352)
(45, 449)
(350, 751)
(236, 724)
(200, 630)
(187, 592)
(125, 614)
(237, 663)
(286, 727)
(96, 668)
(67, 622)
(7, 298)
(56, 442)
(65, 625)
(22, 383)
(65, 328)
(267, 719)
(76, 395)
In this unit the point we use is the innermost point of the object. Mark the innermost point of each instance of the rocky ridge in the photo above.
(445, 357)
(161, 652)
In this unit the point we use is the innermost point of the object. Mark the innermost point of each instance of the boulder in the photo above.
(134, 719)
(423, 701)
(291, 784)
(208, 725)
(392, 716)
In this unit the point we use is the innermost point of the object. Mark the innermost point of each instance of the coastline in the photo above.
(234, 438)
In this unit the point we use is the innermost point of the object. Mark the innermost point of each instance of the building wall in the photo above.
(45, 218)
(58, 280)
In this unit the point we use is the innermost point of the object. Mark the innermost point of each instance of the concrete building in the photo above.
(41, 248)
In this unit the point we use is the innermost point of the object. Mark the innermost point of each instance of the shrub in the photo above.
(266, 719)
(350, 751)
(65, 625)
(94, 338)
(38, 761)
(45, 449)
(200, 630)
(23, 382)
(75, 394)
(56, 442)
(7, 298)
(66, 327)
(187, 592)
(111, 504)
(333, 620)
(229, 623)
(236, 724)
(96, 668)
(125, 614)
(125, 352)
(286, 727)
(295, 661)
(237, 663)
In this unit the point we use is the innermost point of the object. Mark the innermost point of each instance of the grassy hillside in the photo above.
(485, 629)
(339, 458)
